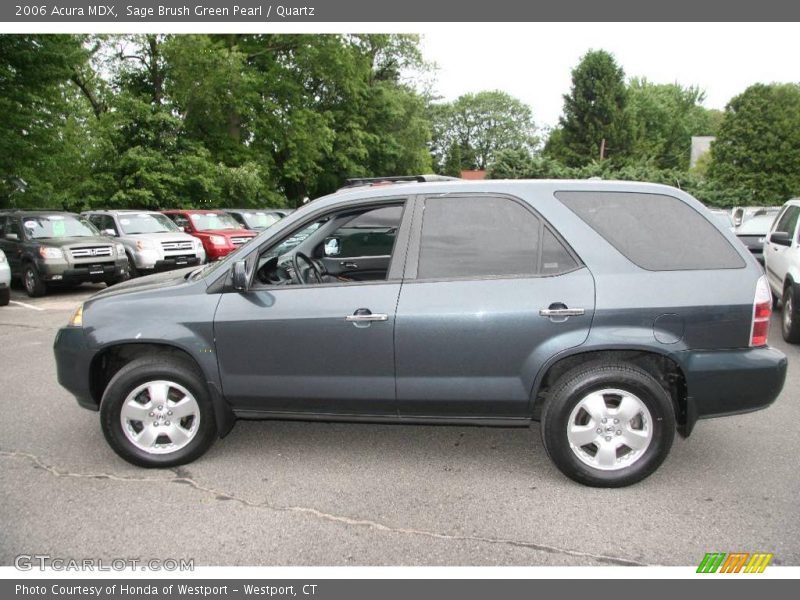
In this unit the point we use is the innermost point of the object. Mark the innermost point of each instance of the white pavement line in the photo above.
(23, 304)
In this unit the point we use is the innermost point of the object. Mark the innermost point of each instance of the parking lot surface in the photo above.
(290, 493)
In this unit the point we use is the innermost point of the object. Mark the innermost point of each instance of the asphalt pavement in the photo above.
(290, 493)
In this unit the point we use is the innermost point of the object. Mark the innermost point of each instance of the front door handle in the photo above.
(364, 315)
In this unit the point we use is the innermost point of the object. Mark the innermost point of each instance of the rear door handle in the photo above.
(561, 312)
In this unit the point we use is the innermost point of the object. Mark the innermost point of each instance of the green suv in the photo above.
(49, 248)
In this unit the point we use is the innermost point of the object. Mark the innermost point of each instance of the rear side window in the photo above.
(466, 237)
(654, 231)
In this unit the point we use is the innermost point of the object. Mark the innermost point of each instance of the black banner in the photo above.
(355, 11)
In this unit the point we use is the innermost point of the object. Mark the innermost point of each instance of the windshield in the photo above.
(133, 224)
(56, 226)
(213, 221)
(259, 220)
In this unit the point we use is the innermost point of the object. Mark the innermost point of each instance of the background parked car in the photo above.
(741, 214)
(218, 231)
(782, 264)
(723, 217)
(46, 248)
(753, 233)
(152, 241)
(255, 220)
(5, 280)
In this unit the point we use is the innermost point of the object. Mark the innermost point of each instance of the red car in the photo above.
(219, 232)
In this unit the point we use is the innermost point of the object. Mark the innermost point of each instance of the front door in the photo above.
(777, 256)
(310, 346)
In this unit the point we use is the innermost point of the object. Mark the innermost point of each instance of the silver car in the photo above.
(5, 280)
(152, 242)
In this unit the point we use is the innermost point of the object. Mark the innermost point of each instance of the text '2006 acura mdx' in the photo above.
(612, 313)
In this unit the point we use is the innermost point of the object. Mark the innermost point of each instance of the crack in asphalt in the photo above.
(182, 477)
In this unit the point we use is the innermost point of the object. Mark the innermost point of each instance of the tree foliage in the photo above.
(154, 121)
(757, 148)
(475, 127)
(595, 119)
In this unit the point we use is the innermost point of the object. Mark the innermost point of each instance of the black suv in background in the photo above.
(46, 248)
(613, 313)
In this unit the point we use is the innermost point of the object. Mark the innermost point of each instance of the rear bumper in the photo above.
(727, 382)
(73, 358)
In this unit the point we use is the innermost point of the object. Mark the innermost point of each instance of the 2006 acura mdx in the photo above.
(613, 313)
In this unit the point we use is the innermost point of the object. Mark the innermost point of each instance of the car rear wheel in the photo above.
(5, 296)
(608, 424)
(156, 412)
(790, 321)
(34, 286)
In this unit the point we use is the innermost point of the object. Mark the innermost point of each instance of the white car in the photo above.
(5, 280)
(782, 264)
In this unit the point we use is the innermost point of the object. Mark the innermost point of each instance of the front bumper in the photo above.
(62, 272)
(727, 382)
(73, 361)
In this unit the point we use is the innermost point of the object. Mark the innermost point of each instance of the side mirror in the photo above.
(781, 238)
(109, 232)
(239, 273)
(12, 236)
(333, 247)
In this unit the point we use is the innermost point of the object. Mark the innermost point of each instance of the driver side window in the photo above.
(354, 245)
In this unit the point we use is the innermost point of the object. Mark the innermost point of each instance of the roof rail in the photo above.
(368, 181)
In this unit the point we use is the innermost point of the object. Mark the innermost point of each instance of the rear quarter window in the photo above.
(654, 231)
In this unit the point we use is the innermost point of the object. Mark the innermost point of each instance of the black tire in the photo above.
(133, 272)
(575, 385)
(32, 281)
(790, 320)
(139, 372)
(5, 296)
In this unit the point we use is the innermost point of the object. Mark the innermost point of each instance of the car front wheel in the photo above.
(608, 424)
(34, 286)
(156, 412)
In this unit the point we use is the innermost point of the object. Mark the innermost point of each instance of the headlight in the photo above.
(218, 240)
(145, 245)
(51, 253)
(77, 318)
(120, 250)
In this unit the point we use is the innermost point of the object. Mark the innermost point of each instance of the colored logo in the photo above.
(735, 562)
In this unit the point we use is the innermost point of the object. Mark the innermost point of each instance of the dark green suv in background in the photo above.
(46, 248)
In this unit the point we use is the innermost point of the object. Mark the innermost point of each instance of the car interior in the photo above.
(343, 247)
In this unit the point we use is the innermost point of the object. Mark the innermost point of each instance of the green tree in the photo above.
(664, 117)
(757, 149)
(595, 124)
(41, 115)
(481, 125)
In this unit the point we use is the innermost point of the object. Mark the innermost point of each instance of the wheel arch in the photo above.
(661, 366)
(109, 360)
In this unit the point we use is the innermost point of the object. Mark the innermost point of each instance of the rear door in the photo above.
(491, 292)
(776, 256)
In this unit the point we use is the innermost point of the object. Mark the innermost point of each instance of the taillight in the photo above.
(762, 309)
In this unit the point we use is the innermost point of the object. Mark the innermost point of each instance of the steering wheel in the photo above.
(303, 277)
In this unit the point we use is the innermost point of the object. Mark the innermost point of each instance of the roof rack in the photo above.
(369, 181)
